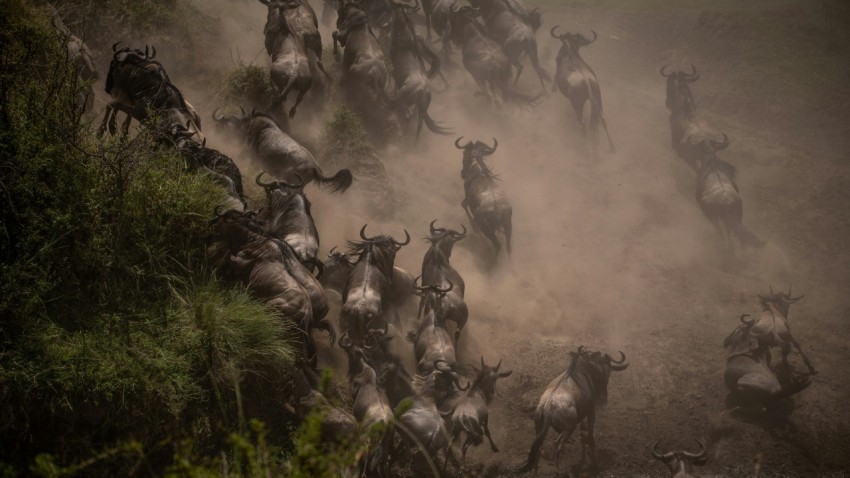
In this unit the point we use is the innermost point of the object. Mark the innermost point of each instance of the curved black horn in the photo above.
(464, 230)
(595, 36)
(445, 368)
(153, 52)
(406, 241)
(454, 8)
(495, 145)
(622, 358)
(498, 364)
(331, 252)
(115, 46)
(363, 233)
(699, 455)
(215, 115)
(658, 455)
(266, 185)
(618, 365)
(431, 226)
(745, 321)
(665, 75)
(552, 32)
(693, 71)
(445, 291)
(456, 378)
(457, 143)
(720, 145)
(419, 288)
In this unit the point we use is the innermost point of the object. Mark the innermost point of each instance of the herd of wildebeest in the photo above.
(387, 70)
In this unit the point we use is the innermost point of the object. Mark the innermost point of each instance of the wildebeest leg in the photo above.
(125, 127)
(486, 427)
(518, 65)
(466, 444)
(578, 107)
(297, 102)
(465, 205)
(541, 426)
(103, 124)
(490, 234)
(805, 359)
(591, 418)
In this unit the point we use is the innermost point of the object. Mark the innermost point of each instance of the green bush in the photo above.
(248, 85)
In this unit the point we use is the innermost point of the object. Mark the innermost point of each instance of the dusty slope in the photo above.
(612, 251)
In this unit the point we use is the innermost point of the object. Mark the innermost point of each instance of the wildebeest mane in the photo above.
(382, 248)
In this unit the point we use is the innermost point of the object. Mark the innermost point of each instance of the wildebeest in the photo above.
(687, 128)
(338, 426)
(365, 296)
(338, 268)
(371, 408)
(287, 217)
(290, 68)
(414, 64)
(137, 84)
(680, 463)
(266, 266)
(771, 329)
(513, 27)
(437, 17)
(365, 74)
(432, 345)
(570, 400)
(279, 154)
(718, 196)
(423, 419)
(471, 415)
(210, 161)
(577, 81)
(436, 271)
(483, 58)
(484, 202)
(751, 380)
(78, 53)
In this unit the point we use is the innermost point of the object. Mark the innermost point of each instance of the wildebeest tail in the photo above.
(422, 108)
(472, 428)
(597, 117)
(745, 236)
(536, 446)
(339, 182)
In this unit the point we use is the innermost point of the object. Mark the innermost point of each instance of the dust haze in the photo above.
(610, 249)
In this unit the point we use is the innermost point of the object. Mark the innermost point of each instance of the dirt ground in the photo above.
(611, 250)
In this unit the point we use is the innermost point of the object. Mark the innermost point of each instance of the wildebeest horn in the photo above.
(492, 149)
(745, 321)
(331, 252)
(419, 288)
(456, 378)
(595, 36)
(242, 110)
(115, 46)
(665, 75)
(454, 8)
(445, 291)
(498, 364)
(482, 362)
(622, 358)
(215, 115)
(431, 226)
(771, 289)
(694, 76)
(457, 143)
(552, 32)
(406, 241)
(696, 456)
(617, 364)
(380, 332)
(462, 234)
(363, 233)
(147, 51)
(657, 455)
(445, 365)
(266, 185)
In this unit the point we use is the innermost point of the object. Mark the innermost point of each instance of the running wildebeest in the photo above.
(246, 254)
(371, 408)
(718, 196)
(291, 62)
(752, 382)
(436, 271)
(413, 65)
(287, 217)
(680, 463)
(279, 154)
(571, 400)
(423, 419)
(365, 76)
(687, 128)
(338, 268)
(771, 329)
(471, 414)
(365, 297)
(210, 161)
(78, 53)
(338, 426)
(513, 27)
(577, 81)
(483, 58)
(486, 205)
(138, 84)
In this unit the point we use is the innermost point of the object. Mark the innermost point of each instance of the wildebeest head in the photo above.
(382, 248)
(443, 239)
(126, 56)
(678, 92)
(485, 378)
(708, 148)
(475, 151)
(572, 41)
(680, 463)
(432, 299)
(781, 300)
(591, 369)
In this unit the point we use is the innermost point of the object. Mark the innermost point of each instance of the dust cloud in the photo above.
(610, 249)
